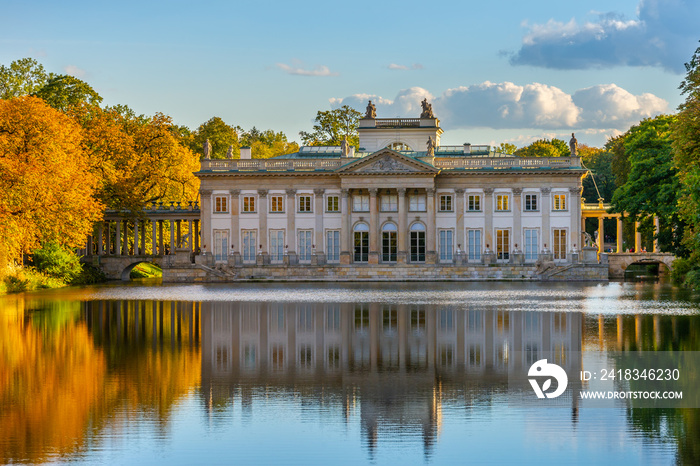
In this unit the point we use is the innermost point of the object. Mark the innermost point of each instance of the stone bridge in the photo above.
(123, 240)
(618, 263)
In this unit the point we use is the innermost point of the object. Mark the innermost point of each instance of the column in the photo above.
(161, 250)
(601, 233)
(459, 217)
(126, 238)
(656, 234)
(373, 227)
(108, 238)
(517, 218)
(205, 217)
(431, 250)
(488, 224)
(345, 227)
(402, 256)
(190, 235)
(143, 238)
(178, 240)
(136, 237)
(154, 237)
(619, 234)
(319, 210)
(118, 239)
(235, 219)
(291, 238)
(172, 236)
(575, 210)
(100, 250)
(196, 236)
(545, 206)
(262, 220)
(637, 238)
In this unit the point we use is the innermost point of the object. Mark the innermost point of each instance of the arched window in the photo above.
(389, 242)
(417, 242)
(361, 227)
(389, 227)
(417, 227)
(361, 242)
(400, 146)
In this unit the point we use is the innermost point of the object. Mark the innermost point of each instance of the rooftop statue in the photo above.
(427, 109)
(431, 146)
(573, 145)
(229, 154)
(345, 146)
(371, 111)
(207, 149)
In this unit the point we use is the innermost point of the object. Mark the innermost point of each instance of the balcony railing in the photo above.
(253, 165)
(480, 163)
(397, 123)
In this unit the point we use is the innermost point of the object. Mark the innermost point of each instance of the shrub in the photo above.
(57, 262)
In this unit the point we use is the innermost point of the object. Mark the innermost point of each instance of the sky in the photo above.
(495, 71)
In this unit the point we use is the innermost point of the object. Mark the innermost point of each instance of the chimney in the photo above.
(467, 148)
(352, 151)
(246, 153)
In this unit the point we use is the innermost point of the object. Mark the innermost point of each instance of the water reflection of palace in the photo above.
(395, 363)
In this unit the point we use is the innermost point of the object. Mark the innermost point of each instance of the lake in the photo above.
(391, 373)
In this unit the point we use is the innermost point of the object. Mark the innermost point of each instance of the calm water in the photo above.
(334, 374)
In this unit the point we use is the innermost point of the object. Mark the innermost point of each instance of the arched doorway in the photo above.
(417, 242)
(389, 242)
(361, 241)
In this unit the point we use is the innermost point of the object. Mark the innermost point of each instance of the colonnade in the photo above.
(600, 212)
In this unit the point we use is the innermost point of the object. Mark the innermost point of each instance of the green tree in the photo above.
(686, 144)
(64, 91)
(599, 162)
(507, 148)
(220, 136)
(332, 126)
(544, 148)
(22, 77)
(267, 143)
(652, 186)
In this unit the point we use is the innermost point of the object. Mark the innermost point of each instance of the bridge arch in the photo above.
(126, 273)
(619, 263)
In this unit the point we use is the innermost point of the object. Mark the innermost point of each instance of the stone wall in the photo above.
(192, 273)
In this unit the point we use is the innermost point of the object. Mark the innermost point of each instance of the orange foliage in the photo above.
(46, 188)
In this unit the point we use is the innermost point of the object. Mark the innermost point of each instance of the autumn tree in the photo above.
(46, 186)
(22, 77)
(544, 148)
(332, 126)
(506, 148)
(600, 182)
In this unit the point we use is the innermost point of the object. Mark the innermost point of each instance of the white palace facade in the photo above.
(401, 199)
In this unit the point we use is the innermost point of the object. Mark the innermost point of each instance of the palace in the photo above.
(402, 198)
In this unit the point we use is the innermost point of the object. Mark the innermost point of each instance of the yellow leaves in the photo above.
(46, 186)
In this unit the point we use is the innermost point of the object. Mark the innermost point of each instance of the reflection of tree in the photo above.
(56, 382)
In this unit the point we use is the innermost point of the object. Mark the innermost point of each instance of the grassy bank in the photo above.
(17, 279)
(146, 270)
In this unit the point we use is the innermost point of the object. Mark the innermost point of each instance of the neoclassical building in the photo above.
(402, 198)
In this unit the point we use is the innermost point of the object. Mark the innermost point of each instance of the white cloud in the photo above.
(74, 71)
(415, 66)
(663, 33)
(320, 70)
(603, 108)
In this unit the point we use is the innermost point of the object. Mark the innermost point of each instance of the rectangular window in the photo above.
(502, 202)
(474, 245)
(503, 244)
(305, 245)
(220, 245)
(530, 202)
(446, 245)
(305, 204)
(333, 246)
(416, 203)
(390, 320)
(390, 203)
(560, 202)
(249, 241)
(276, 245)
(360, 203)
(474, 203)
(220, 204)
(249, 204)
(445, 203)
(276, 204)
(559, 244)
(417, 319)
(333, 204)
(531, 245)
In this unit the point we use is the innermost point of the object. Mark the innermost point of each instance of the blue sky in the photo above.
(496, 71)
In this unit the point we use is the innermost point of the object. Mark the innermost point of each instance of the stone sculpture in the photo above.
(427, 109)
(371, 111)
(207, 149)
(573, 145)
(431, 146)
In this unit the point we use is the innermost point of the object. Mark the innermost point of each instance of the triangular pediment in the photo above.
(387, 162)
